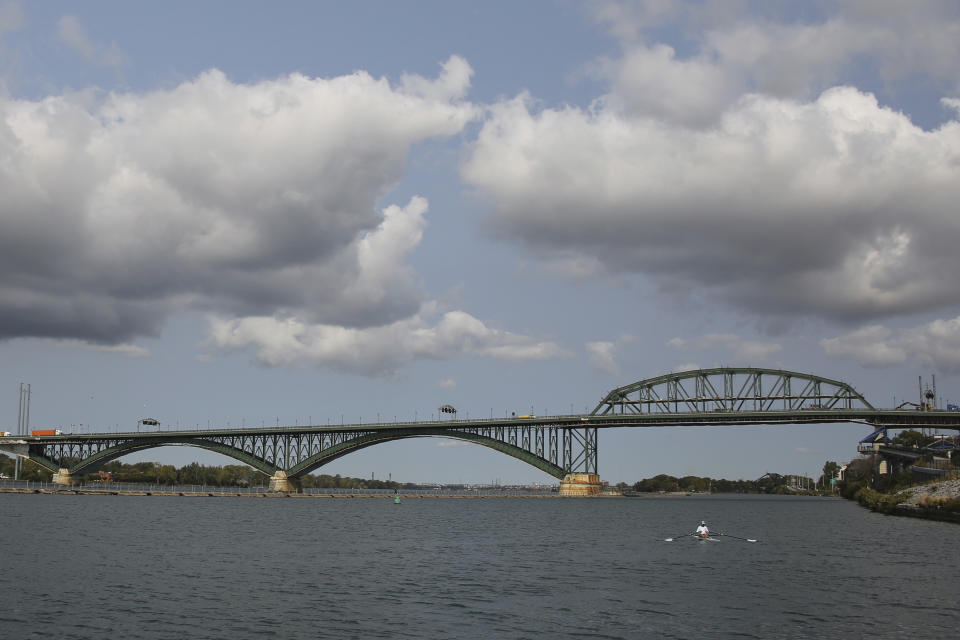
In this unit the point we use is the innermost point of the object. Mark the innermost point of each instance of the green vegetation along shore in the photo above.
(899, 494)
(243, 476)
(231, 475)
(773, 483)
(902, 494)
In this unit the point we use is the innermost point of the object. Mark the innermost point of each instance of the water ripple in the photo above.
(563, 569)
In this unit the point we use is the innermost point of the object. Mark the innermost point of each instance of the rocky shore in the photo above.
(932, 501)
(928, 494)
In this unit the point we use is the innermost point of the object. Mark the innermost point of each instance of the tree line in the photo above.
(769, 483)
(231, 475)
(236, 475)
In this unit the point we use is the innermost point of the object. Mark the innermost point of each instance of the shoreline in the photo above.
(227, 493)
(925, 513)
(250, 494)
(927, 501)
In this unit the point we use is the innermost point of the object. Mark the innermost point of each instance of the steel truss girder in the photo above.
(730, 390)
(89, 454)
(539, 446)
(554, 449)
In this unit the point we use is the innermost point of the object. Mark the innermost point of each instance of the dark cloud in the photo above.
(238, 199)
(836, 207)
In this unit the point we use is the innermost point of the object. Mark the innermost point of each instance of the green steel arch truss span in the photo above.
(555, 447)
(558, 445)
(731, 390)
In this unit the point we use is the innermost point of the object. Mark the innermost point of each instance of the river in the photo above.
(169, 567)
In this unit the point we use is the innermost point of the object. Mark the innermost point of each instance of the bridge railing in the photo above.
(170, 430)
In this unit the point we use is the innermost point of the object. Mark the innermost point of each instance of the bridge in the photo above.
(563, 446)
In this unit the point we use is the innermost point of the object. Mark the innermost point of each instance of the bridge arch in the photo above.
(95, 461)
(370, 439)
(730, 389)
(271, 453)
(78, 459)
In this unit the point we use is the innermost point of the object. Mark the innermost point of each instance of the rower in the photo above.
(702, 530)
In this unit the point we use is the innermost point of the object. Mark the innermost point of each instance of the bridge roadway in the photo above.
(562, 446)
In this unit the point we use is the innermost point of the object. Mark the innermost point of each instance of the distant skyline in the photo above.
(239, 213)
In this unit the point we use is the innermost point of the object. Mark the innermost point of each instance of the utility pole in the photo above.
(23, 423)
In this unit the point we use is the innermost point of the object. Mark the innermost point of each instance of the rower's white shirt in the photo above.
(702, 530)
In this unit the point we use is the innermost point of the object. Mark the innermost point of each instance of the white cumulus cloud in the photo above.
(739, 162)
(836, 207)
(379, 350)
(869, 345)
(243, 200)
(129, 350)
(935, 344)
(603, 357)
(780, 53)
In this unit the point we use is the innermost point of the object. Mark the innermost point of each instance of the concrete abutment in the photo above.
(64, 477)
(581, 484)
(280, 483)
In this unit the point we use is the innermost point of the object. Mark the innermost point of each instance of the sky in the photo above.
(245, 213)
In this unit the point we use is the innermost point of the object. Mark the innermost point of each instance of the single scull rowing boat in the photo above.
(711, 538)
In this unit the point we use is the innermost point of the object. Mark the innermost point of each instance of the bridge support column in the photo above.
(280, 483)
(63, 477)
(581, 484)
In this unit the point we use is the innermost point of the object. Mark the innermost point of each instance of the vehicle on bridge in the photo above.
(563, 446)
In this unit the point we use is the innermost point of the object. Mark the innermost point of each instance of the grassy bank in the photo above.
(906, 503)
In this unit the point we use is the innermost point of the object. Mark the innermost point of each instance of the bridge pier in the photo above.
(580, 484)
(280, 483)
(64, 477)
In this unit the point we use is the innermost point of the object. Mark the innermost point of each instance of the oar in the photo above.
(684, 535)
(737, 537)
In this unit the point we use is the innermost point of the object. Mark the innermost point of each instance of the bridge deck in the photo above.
(558, 445)
(888, 417)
